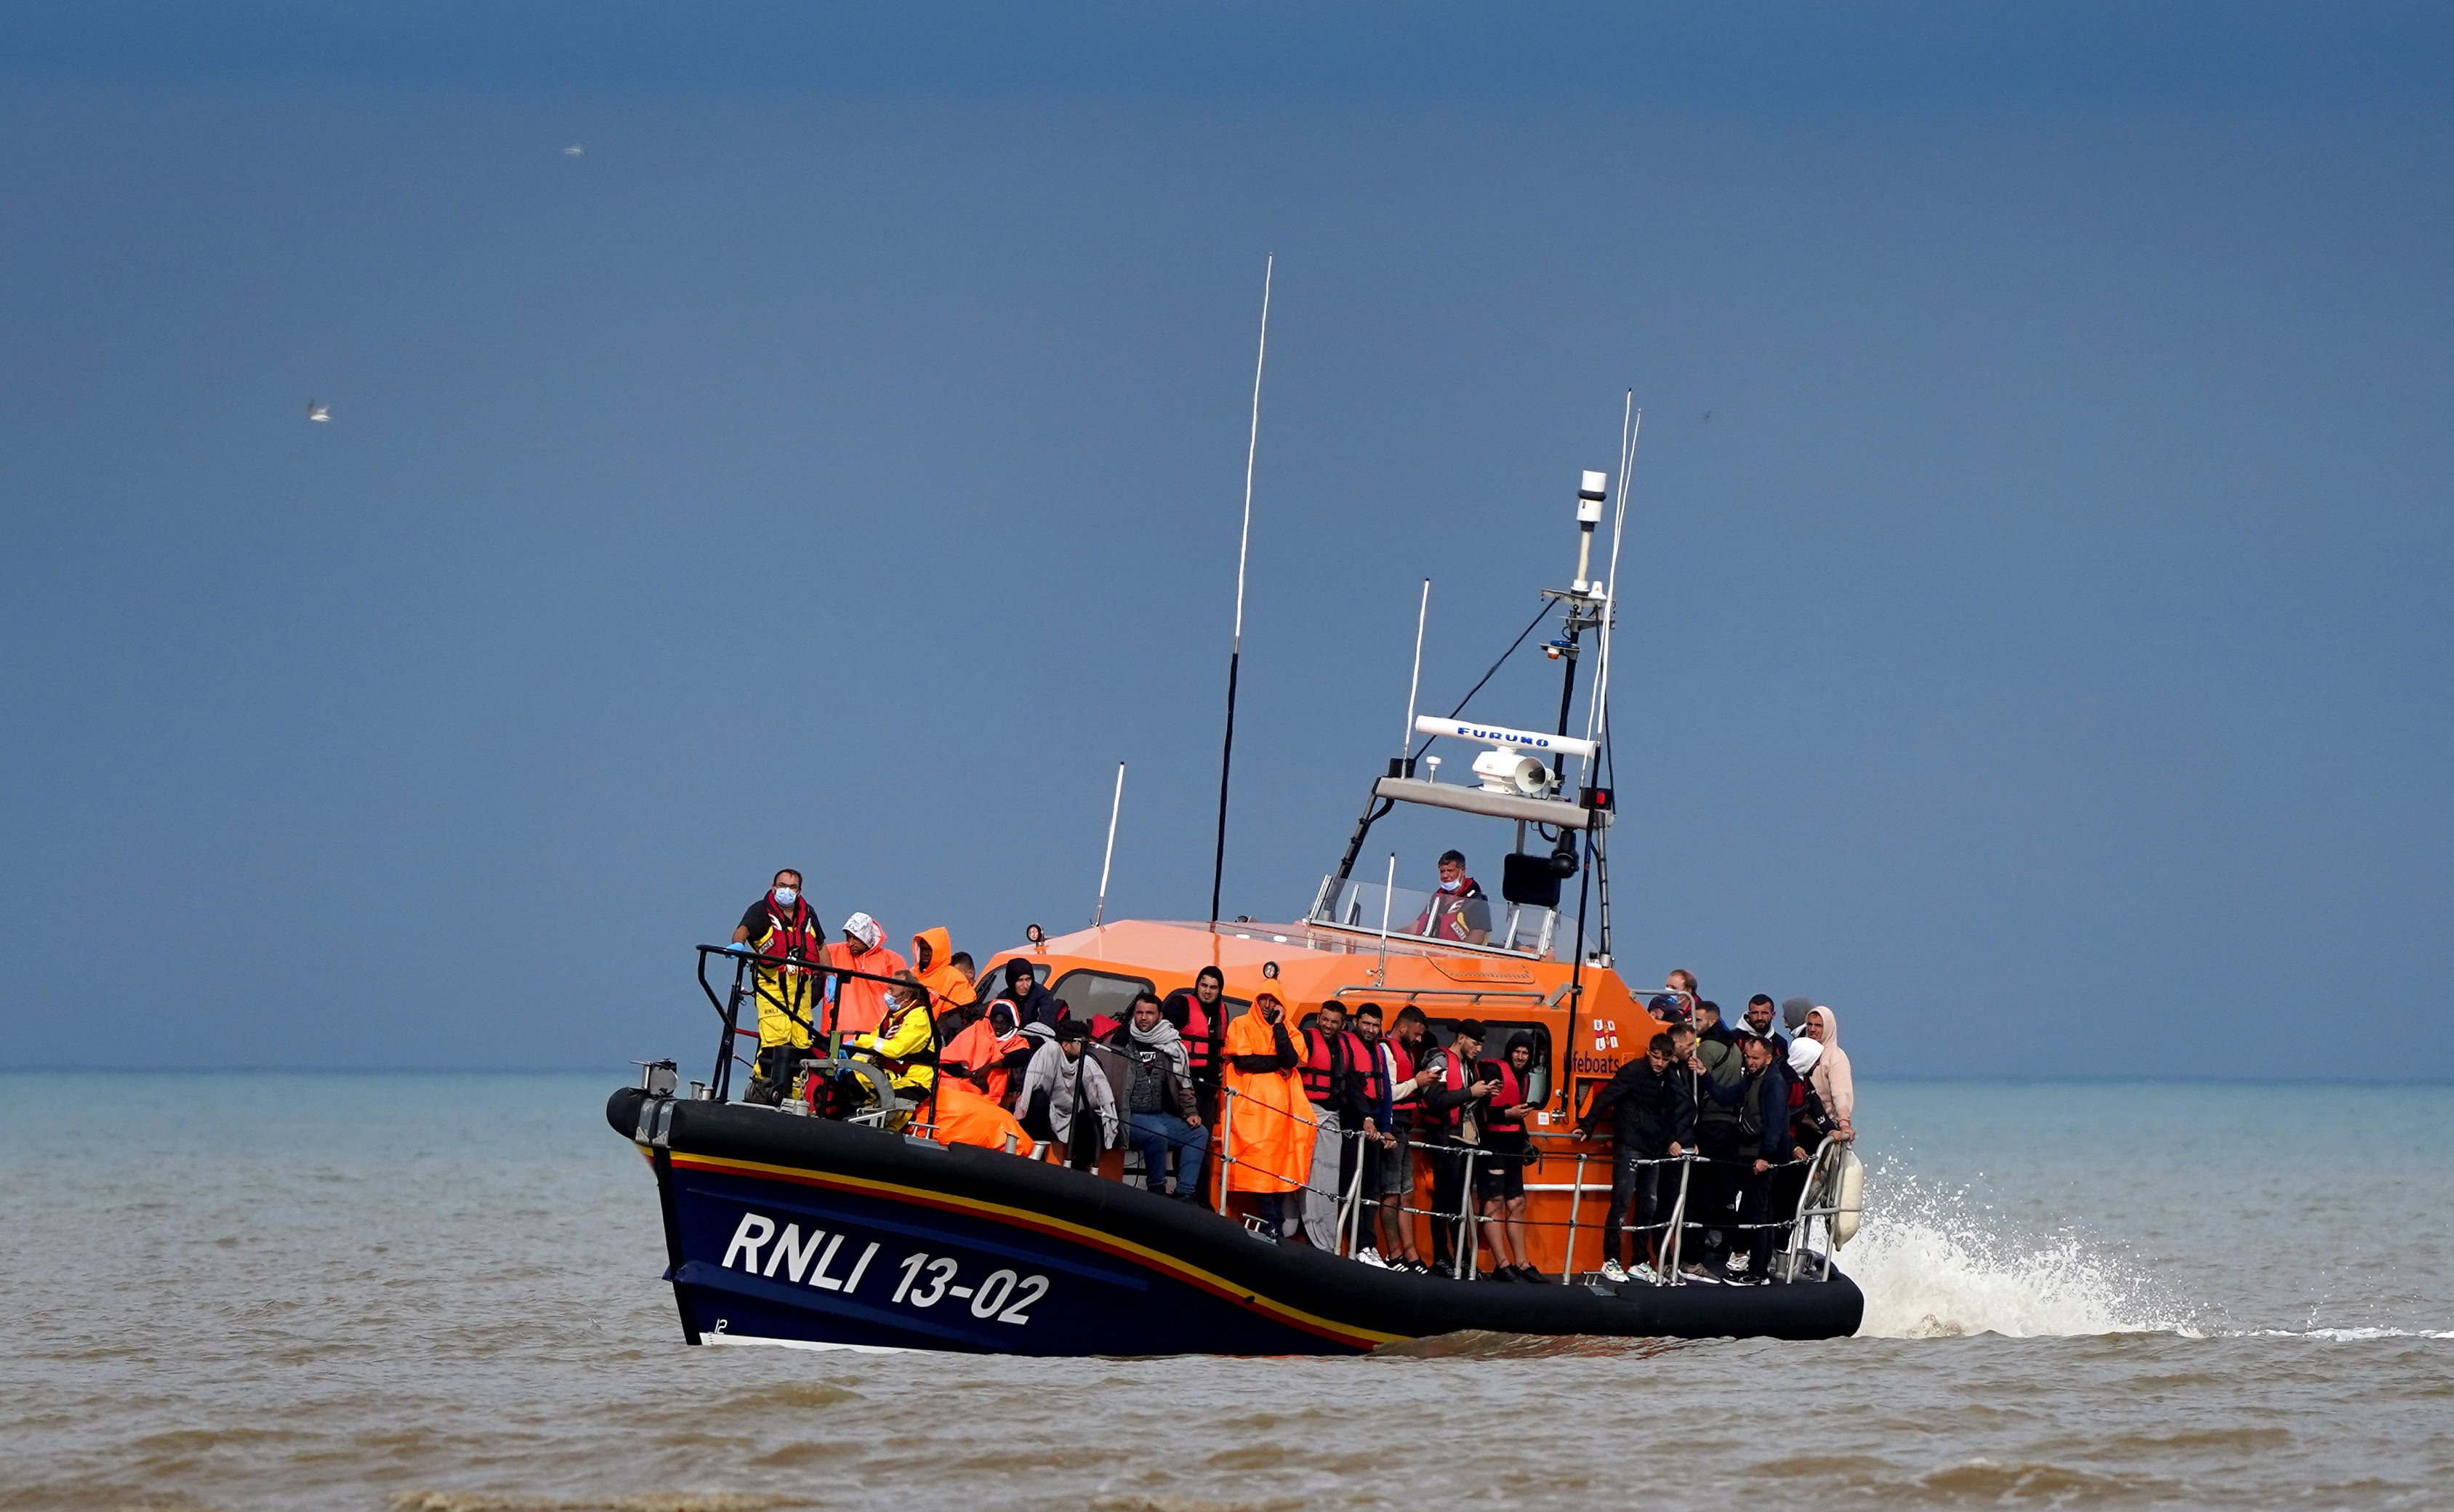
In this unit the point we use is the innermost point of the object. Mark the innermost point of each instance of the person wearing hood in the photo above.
(1064, 1097)
(781, 928)
(965, 1117)
(1830, 1079)
(1502, 1177)
(941, 970)
(990, 1053)
(1807, 1133)
(1162, 1121)
(1265, 1138)
(1031, 1000)
(861, 1004)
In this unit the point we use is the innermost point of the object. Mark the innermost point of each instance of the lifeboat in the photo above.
(859, 1232)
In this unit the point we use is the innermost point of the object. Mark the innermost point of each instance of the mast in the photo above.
(1236, 647)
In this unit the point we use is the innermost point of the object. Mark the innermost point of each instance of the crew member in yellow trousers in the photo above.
(782, 929)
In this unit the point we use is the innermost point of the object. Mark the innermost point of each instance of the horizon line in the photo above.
(2072, 1079)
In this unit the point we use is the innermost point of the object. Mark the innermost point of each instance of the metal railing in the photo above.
(798, 981)
(1814, 1213)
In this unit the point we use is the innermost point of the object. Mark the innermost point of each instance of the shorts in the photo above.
(1499, 1175)
(1390, 1171)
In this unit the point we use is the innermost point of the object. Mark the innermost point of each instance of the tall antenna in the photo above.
(1629, 419)
(1422, 615)
(1115, 807)
(1236, 647)
(1630, 428)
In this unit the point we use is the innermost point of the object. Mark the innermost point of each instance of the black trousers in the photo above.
(1713, 1189)
(1755, 1203)
(1448, 1195)
(1640, 1193)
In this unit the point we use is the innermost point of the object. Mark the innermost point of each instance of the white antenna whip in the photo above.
(1414, 684)
(1629, 427)
(1115, 807)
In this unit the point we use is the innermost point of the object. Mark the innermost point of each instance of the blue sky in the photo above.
(2040, 653)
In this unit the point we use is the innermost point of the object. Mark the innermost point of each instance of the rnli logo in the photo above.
(1004, 1296)
(1605, 1033)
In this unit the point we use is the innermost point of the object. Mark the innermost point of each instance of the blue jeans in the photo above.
(1155, 1135)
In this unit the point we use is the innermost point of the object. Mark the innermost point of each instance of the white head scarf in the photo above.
(1803, 1053)
(865, 929)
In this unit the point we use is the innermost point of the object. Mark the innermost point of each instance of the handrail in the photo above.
(746, 962)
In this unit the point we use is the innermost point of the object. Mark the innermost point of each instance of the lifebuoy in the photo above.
(1848, 1196)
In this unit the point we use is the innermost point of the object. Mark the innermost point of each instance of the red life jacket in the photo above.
(1444, 918)
(1319, 1066)
(1195, 1035)
(1511, 1093)
(793, 934)
(1404, 1106)
(1375, 1073)
(1454, 1074)
(1195, 1032)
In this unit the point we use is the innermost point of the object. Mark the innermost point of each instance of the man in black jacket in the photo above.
(1761, 1098)
(1652, 1108)
(1032, 1003)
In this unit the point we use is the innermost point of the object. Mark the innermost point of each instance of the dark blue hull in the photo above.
(804, 1231)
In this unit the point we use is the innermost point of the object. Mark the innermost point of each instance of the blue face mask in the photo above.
(787, 896)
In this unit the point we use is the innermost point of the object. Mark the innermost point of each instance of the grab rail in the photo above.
(746, 963)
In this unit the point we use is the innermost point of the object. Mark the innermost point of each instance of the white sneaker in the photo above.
(1611, 1271)
(1735, 1265)
(1371, 1256)
(1641, 1272)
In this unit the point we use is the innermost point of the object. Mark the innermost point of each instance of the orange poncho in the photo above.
(933, 962)
(1268, 1132)
(965, 1117)
(978, 1046)
(859, 1004)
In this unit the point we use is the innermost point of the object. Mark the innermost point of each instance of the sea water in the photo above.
(243, 1292)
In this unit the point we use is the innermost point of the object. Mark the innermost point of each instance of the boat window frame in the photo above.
(1138, 984)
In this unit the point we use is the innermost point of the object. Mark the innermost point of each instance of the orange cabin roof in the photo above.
(1315, 965)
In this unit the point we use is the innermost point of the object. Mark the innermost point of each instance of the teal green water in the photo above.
(239, 1292)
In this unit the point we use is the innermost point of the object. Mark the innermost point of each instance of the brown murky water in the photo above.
(440, 1292)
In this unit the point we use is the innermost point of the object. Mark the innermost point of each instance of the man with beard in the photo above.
(1162, 1121)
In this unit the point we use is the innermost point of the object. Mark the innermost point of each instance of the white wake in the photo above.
(1931, 1269)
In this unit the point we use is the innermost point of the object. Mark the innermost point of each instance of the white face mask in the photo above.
(1448, 887)
(787, 896)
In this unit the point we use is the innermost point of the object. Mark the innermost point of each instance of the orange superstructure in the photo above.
(1586, 1024)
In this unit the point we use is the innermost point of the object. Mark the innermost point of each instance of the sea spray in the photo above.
(1932, 1267)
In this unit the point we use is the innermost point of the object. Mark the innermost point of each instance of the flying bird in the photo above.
(575, 150)
(318, 412)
